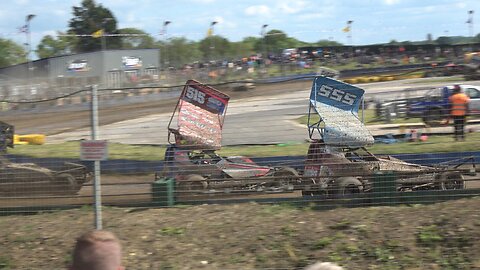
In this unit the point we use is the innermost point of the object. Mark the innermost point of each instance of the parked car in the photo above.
(433, 108)
(431, 104)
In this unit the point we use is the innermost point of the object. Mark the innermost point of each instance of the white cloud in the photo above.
(391, 2)
(131, 17)
(60, 12)
(21, 2)
(261, 10)
(203, 1)
(291, 7)
(461, 5)
(312, 16)
(52, 33)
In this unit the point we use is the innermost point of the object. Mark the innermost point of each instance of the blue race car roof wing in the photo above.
(337, 104)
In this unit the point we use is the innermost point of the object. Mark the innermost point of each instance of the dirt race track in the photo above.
(122, 189)
(137, 190)
(239, 236)
(57, 122)
(116, 189)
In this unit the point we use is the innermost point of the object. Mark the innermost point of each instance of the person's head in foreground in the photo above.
(97, 250)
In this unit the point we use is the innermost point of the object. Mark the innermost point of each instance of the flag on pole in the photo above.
(97, 34)
(347, 28)
(210, 32)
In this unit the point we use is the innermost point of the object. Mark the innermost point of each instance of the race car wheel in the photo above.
(452, 181)
(285, 178)
(192, 183)
(347, 186)
(66, 184)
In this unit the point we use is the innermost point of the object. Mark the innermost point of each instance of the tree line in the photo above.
(94, 27)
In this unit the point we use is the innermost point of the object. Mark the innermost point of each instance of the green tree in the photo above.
(11, 53)
(90, 18)
(133, 38)
(277, 40)
(243, 48)
(328, 43)
(50, 46)
(444, 41)
(214, 47)
(179, 51)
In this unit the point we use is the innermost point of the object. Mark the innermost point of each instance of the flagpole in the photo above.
(29, 48)
(104, 40)
(264, 43)
(349, 25)
(212, 46)
(470, 22)
(211, 34)
(164, 33)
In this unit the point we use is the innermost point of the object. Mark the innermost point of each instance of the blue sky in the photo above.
(374, 21)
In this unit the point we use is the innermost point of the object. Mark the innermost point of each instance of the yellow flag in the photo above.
(209, 32)
(97, 34)
(346, 29)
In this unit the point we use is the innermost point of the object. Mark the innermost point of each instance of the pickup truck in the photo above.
(433, 107)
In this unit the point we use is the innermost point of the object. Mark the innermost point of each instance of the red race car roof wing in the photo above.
(200, 114)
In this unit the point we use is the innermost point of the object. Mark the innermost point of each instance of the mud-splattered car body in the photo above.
(30, 179)
(338, 161)
(195, 133)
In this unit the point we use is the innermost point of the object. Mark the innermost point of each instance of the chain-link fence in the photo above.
(196, 144)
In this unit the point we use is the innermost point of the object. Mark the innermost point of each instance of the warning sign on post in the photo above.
(93, 150)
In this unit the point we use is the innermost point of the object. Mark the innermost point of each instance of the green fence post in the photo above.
(384, 188)
(163, 192)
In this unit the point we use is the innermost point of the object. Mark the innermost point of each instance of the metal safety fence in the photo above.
(302, 144)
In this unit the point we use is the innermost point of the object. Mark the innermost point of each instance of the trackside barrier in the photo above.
(122, 166)
(163, 192)
(384, 189)
(383, 193)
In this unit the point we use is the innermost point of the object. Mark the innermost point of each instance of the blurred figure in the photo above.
(459, 111)
(323, 266)
(97, 250)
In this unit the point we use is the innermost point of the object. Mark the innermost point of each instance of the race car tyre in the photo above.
(347, 186)
(452, 181)
(66, 184)
(285, 178)
(192, 183)
(313, 193)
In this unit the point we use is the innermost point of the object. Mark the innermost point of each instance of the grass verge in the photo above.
(370, 119)
(434, 144)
